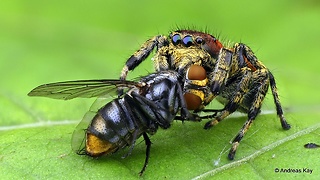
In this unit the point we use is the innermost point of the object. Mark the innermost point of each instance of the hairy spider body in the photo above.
(234, 76)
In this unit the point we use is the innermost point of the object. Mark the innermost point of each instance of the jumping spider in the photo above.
(234, 76)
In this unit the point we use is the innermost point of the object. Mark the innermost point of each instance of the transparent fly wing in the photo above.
(100, 102)
(81, 88)
(78, 140)
(102, 89)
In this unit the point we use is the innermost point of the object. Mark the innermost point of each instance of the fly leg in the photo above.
(161, 113)
(152, 110)
(185, 114)
(133, 142)
(210, 116)
(148, 144)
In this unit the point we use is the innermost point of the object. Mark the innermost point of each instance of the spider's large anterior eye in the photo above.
(187, 40)
(176, 39)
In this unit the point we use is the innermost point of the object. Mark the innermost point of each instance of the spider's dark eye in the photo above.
(176, 39)
(187, 40)
(199, 40)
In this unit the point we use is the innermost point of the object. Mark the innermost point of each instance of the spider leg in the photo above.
(260, 92)
(235, 100)
(141, 54)
(249, 94)
(247, 57)
(221, 72)
(274, 90)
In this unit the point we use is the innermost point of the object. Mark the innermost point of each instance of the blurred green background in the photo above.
(50, 41)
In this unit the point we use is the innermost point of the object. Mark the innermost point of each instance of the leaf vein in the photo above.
(259, 152)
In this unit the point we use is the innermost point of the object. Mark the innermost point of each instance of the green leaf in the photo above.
(59, 41)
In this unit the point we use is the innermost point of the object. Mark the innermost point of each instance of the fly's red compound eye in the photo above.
(196, 72)
(193, 101)
(192, 98)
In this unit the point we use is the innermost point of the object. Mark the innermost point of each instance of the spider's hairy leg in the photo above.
(260, 92)
(141, 54)
(234, 102)
(221, 71)
(246, 56)
(274, 90)
(160, 59)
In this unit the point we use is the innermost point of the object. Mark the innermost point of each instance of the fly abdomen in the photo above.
(116, 125)
(107, 129)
